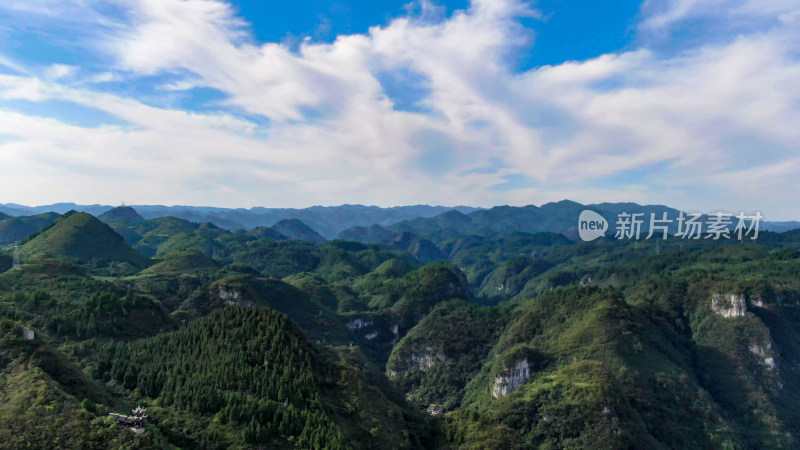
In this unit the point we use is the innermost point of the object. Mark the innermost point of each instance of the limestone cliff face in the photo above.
(417, 361)
(729, 305)
(375, 330)
(233, 297)
(371, 336)
(764, 351)
(358, 323)
(507, 382)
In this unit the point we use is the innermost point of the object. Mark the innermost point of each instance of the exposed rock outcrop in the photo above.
(765, 353)
(435, 410)
(233, 297)
(358, 323)
(517, 376)
(729, 305)
(371, 336)
(421, 362)
(27, 334)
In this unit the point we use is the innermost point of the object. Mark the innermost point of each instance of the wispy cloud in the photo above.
(59, 71)
(663, 14)
(331, 133)
(13, 65)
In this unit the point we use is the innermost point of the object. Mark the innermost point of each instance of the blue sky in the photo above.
(691, 103)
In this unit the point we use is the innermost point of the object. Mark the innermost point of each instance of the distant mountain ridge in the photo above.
(559, 217)
(328, 221)
(368, 224)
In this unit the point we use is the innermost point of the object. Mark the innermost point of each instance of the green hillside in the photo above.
(81, 239)
(306, 310)
(249, 376)
(121, 215)
(181, 262)
(15, 229)
(147, 236)
(46, 402)
(295, 229)
(121, 219)
(266, 232)
(523, 340)
(58, 298)
(652, 360)
(436, 359)
(204, 238)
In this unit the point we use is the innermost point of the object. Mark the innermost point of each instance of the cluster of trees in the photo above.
(79, 307)
(251, 368)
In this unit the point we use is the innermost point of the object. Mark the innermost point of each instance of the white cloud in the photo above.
(59, 71)
(637, 125)
(103, 77)
(662, 14)
(181, 85)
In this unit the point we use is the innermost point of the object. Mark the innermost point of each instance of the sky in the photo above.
(240, 103)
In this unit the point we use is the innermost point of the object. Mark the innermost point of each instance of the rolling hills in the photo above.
(327, 220)
(518, 338)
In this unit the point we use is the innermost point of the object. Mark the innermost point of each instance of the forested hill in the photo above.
(82, 239)
(493, 340)
(695, 350)
(250, 376)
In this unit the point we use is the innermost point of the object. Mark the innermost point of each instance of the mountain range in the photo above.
(327, 221)
(368, 224)
(457, 331)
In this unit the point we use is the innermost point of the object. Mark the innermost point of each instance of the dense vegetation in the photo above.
(14, 229)
(81, 239)
(527, 340)
(242, 376)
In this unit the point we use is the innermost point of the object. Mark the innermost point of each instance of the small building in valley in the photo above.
(436, 410)
(136, 419)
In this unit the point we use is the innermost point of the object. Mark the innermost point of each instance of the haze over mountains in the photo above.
(400, 226)
(328, 221)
